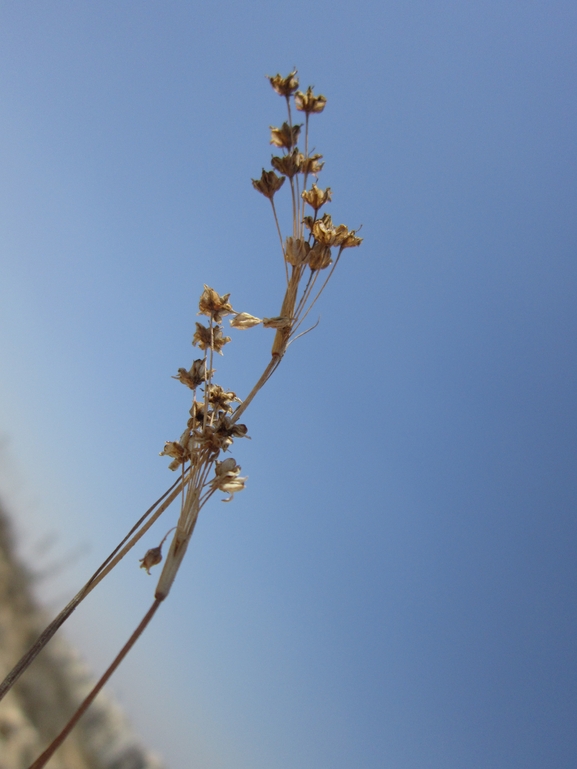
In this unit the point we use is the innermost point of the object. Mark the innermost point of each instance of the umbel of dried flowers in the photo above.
(311, 247)
(310, 254)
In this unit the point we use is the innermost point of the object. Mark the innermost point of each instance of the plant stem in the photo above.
(266, 375)
(55, 744)
(104, 569)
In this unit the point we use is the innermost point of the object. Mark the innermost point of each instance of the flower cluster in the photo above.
(210, 428)
(312, 248)
(315, 243)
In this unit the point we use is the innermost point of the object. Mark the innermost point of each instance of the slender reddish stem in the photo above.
(56, 743)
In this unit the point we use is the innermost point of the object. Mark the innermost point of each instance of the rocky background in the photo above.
(41, 702)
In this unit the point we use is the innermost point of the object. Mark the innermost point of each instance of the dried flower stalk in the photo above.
(313, 245)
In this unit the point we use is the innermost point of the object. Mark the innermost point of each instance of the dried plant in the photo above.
(310, 253)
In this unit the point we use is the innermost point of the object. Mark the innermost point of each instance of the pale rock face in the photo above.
(47, 694)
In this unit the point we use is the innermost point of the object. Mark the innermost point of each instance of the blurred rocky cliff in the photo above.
(46, 695)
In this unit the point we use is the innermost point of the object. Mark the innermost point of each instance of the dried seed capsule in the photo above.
(296, 251)
(244, 320)
(319, 257)
(308, 102)
(284, 86)
(151, 558)
(288, 165)
(268, 184)
(286, 136)
(316, 197)
(214, 305)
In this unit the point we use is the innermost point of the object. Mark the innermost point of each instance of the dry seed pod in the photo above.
(316, 198)
(214, 305)
(311, 165)
(286, 136)
(206, 338)
(290, 164)
(268, 184)
(220, 399)
(226, 478)
(151, 558)
(194, 377)
(173, 449)
(319, 257)
(351, 241)
(284, 86)
(296, 251)
(308, 102)
(324, 232)
(244, 320)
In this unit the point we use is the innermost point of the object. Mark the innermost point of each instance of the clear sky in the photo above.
(395, 588)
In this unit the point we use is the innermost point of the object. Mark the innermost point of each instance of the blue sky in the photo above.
(395, 588)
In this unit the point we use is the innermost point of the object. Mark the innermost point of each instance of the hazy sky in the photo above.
(396, 587)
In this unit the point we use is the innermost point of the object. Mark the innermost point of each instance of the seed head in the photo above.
(351, 241)
(316, 198)
(220, 400)
(286, 136)
(151, 558)
(177, 451)
(209, 338)
(308, 102)
(319, 257)
(340, 234)
(296, 251)
(268, 184)
(324, 232)
(194, 377)
(290, 164)
(214, 305)
(173, 449)
(196, 414)
(226, 478)
(284, 86)
(224, 426)
(311, 165)
(219, 437)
